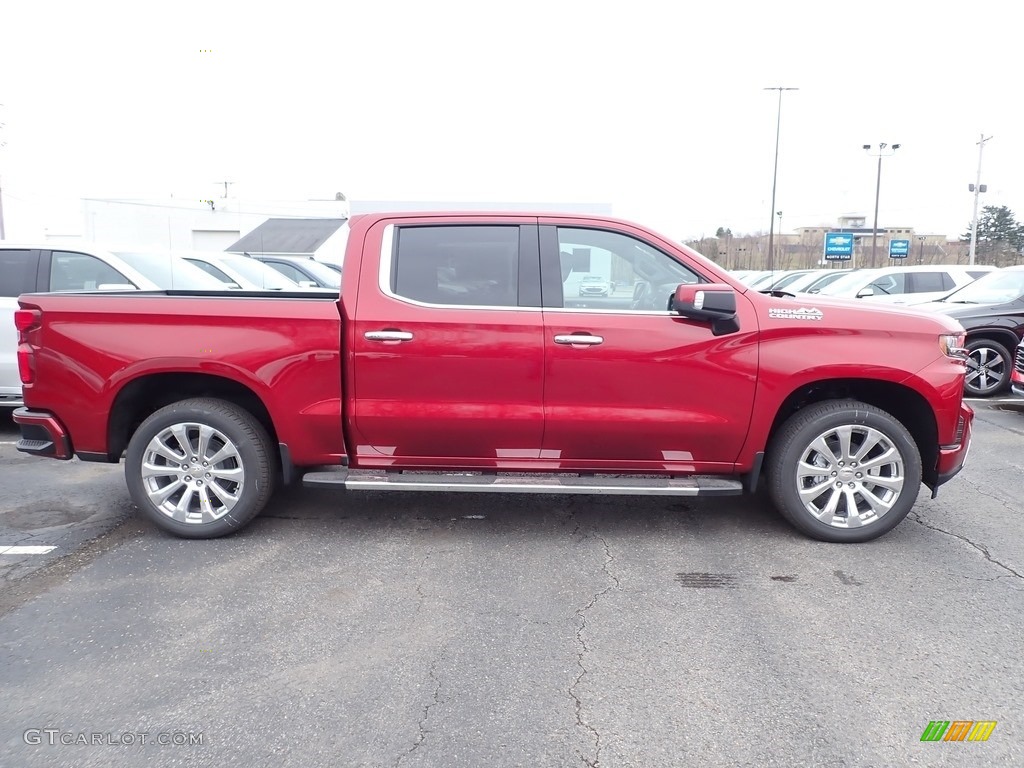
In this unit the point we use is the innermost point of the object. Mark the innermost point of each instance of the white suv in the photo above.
(49, 267)
(905, 285)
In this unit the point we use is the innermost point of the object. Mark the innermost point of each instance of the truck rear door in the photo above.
(447, 343)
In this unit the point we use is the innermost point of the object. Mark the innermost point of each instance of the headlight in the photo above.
(952, 345)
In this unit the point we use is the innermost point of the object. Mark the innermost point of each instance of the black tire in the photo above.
(989, 365)
(221, 497)
(872, 430)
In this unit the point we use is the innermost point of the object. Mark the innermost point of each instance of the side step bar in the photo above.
(623, 485)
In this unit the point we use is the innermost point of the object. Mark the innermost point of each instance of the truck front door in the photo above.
(628, 384)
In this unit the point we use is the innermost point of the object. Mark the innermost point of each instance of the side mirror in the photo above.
(865, 292)
(711, 302)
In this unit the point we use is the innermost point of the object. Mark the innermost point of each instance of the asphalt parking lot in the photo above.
(461, 630)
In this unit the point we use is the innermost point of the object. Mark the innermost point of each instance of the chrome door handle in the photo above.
(387, 336)
(578, 338)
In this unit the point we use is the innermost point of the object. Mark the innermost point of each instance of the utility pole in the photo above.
(878, 188)
(977, 189)
(775, 174)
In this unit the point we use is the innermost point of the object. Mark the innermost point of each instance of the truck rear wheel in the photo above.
(200, 468)
(843, 471)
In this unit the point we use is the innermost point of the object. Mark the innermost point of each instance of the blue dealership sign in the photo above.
(838, 246)
(899, 249)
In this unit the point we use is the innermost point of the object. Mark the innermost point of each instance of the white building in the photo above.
(182, 225)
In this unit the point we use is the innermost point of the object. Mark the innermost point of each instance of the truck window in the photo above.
(17, 272)
(610, 270)
(465, 265)
(82, 272)
(926, 282)
(888, 285)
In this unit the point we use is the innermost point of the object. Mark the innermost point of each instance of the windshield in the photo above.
(171, 272)
(259, 273)
(789, 279)
(991, 288)
(849, 284)
(821, 281)
(323, 273)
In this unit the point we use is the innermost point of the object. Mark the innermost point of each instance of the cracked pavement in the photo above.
(421, 630)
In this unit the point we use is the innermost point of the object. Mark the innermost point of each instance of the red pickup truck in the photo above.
(461, 356)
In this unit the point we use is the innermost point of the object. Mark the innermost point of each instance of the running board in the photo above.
(622, 485)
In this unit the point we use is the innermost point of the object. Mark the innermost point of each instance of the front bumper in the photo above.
(953, 457)
(1017, 378)
(42, 434)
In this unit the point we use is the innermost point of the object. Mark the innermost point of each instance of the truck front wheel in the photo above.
(843, 471)
(200, 468)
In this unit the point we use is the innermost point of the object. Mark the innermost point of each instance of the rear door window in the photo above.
(465, 265)
(18, 271)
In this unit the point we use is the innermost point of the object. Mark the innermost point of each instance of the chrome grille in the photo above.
(1019, 363)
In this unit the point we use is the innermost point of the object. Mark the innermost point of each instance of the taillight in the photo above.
(25, 368)
(25, 320)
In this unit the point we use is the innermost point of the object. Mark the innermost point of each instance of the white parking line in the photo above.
(26, 550)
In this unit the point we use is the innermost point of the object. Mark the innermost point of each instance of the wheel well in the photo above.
(145, 395)
(904, 404)
(1007, 338)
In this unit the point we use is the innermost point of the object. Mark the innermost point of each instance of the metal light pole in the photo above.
(779, 214)
(920, 249)
(775, 174)
(977, 189)
(878, 188)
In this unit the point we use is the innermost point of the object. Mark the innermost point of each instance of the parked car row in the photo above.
(43, 268)
(894, 285)
(988, 302)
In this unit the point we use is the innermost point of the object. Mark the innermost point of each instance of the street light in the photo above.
(977, 188)
(882, 147)
(775, 173)
(779, 214)
(920, 249)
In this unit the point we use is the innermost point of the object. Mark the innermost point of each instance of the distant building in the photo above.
(201, 225)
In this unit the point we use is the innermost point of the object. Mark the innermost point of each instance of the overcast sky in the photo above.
(654, 107)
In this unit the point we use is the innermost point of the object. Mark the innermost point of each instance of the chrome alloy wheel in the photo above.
(850, 476)
(192, 473)
(986, 369)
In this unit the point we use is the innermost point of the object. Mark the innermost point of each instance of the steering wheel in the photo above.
(641, 295)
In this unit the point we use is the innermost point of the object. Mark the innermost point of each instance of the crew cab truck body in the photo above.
(456, 358)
